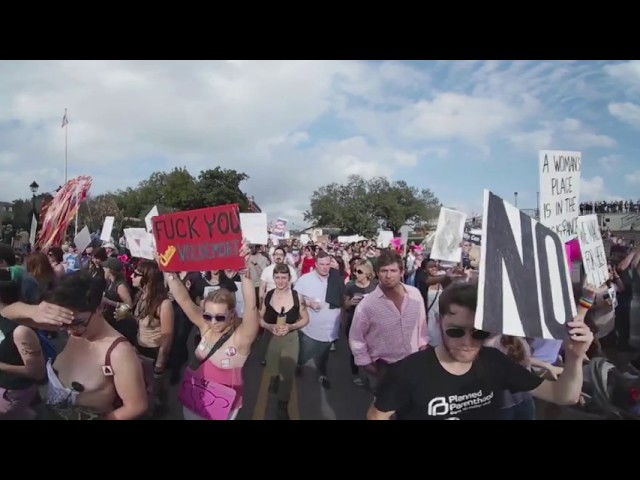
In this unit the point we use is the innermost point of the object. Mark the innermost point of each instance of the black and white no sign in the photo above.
(524, 286)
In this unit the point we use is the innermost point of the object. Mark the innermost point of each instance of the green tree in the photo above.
(361, 206)
(396, 204)
(220, 187)
(176, 190)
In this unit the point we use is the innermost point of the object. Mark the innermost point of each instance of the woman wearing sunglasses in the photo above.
(212, 386)
(355, 291)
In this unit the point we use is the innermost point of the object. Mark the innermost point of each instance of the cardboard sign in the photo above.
(107, 228)
(148, 220)
(254, 228)
(140, 242)
(199, 240)
(524, 287)
(594, 257)
(449, 234)
(560, 192)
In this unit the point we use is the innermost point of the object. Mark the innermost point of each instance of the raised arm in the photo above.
(248, 329)
(567, 389)
(45, 315)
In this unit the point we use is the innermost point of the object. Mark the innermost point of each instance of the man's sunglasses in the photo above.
(209, 317)
(460, 332)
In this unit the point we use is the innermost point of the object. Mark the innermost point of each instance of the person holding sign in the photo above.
(212, 386)
(461, 379)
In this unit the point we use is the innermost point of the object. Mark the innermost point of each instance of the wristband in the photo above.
(585, 303)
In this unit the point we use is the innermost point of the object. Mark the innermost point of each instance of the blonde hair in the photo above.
(223, 296)
(367, 264)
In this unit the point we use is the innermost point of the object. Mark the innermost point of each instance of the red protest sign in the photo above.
(199, 240)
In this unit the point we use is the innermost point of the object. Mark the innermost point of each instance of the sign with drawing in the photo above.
(140, 242)
(594, 257)
(560, 192)
(524, 287)
(449, 235)
(199, 240)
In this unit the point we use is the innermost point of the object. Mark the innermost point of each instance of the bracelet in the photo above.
(585, 303)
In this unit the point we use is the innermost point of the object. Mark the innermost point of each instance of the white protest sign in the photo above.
(524, 289)
(147, 220)
(304, 238)
(560, 192)
(141, 243)
(594, 258)
(82, 239)
(254, 228)
(384, 238)
(449, 236)
(107, 227)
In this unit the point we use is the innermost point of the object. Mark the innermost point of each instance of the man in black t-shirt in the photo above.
(462, 380)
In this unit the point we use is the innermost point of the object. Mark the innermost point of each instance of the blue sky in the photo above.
(455, 127)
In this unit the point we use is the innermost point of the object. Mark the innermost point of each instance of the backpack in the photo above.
(608, 390)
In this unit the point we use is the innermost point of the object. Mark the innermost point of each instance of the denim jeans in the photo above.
(313, 349)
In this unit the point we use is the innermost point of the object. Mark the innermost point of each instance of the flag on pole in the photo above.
(64, 119)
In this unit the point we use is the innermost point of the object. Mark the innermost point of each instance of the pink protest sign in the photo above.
(206, 399)
(573, 251)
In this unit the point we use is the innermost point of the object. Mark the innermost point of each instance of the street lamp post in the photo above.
(34, 189)
(515, 194)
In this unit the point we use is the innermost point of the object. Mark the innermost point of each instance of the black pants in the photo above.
(354, 368)
(179, 349)
(623, 324)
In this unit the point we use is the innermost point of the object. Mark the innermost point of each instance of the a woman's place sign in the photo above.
(199, 240)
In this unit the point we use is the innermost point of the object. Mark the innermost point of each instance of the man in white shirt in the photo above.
(324, 322)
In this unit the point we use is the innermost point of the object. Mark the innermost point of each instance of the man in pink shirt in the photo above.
(390, 323)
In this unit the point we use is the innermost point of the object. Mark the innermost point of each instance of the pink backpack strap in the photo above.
(106, 368)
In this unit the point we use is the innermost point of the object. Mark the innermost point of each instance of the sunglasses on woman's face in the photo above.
(210, 317)
(137, 274)
(460, 332)
(359, 272)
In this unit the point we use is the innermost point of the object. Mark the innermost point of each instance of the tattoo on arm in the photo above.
(28, 350)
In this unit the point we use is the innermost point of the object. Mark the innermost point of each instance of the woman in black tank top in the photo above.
(282, 313)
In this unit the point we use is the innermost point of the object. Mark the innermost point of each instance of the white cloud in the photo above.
(628, 72)
(594, 189)
(626, 112)
(453, 116)
(609, 162)
(292, 126)
(567, 134)
(633, 178)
